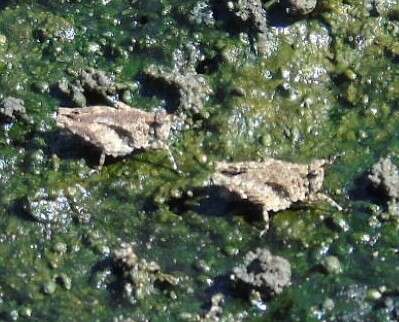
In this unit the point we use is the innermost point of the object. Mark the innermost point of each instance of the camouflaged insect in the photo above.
(117, 131)
(273, 184)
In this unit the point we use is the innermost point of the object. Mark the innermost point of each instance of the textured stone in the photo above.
(263, 273)
(384, 176)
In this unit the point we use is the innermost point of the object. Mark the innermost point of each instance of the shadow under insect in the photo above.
(216, 201)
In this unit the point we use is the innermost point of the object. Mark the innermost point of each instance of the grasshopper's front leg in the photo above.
(323, 197)
(101, 161)
(266, 220)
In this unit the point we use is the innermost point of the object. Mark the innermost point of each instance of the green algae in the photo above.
(330, 88)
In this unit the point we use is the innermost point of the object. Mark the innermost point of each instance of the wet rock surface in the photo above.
(331, 265)
(43, 209)
(215, 312)
(328, 86)
(192, 89)
(253, 17)
(384, 177)
(52, 28)
(59, 208)
(262, 274)
(250, 12)
(386, 7)
(202, 14)
(139, 276)
(299, 7)
(12, 108)
(92, 85)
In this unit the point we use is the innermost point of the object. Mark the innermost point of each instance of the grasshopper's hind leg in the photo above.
(328, 199)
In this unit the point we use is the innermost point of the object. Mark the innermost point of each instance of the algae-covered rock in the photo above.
(253, 17)
(60, 207)
(250, 12)
(139, 275)
(215, 313)
(299, 7)
(191, 88)
(216, 310)
(54, 27)
(43, 208)
(386, 7)
(12, 108)
(384, 177)
(202, 14)
(92, 85)
(262, 273)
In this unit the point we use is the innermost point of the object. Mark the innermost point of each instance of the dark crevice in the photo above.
(215, 201)
(156, 87)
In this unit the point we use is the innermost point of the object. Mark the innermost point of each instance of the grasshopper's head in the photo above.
(162, 125)
(316, 174)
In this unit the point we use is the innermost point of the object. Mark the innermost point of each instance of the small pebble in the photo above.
(373, 294)
(49, 287)
(127, 96)
(299, 7)
(173, 295)
(202, 266)
(203, 158)
(93, 47)
(230, 251)
(332, 265)
(3, 39)
(60, 248)
(328, 304)
(26, 312)
(14, 315)
(41, 87)
(65, 281)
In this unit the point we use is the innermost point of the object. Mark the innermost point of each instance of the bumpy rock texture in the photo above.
(192, 89)
(262, 273)
(91, 83)
(384, 177)
(215, 313)
(252, 14)
(139, 276)
(12, 108)
(299, 7)
(216, 310)
(386, 7)
(59, 208)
